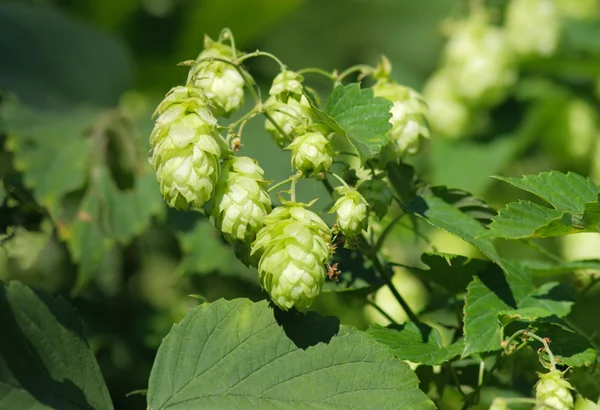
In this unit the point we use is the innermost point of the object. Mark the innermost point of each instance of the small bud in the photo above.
(293, 116)
(221, 82)
(553, 392)
(312, 153)
(287, 84)
(352, 213)
(294, 247)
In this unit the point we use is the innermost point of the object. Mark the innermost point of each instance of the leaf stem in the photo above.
(259, 53)
(362, 68)
(333, 174)
(320, 71)
(277, 185)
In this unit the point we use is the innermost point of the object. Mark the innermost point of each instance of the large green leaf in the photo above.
(238, 354)
(363, 118)
(575, 207)
(45, 361)
(418, 344)
(49, 59)
(67, 160)
(492, 296)
(568, 347)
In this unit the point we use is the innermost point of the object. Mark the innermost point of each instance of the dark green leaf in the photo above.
(238, 354)
(418, 344)
(45, 361)
(568, 347)
(357, 272)
(363, 118)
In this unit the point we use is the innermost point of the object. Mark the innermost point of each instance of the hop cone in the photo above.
(529, 39)
(221, 82)
(185, 149)
(352, 213)
(241, 201)
(480, 61)
(312, 153)
(552, 392)
(294, 249)
(409, 123)
(292, 116)
(499, 404)
(287, 84)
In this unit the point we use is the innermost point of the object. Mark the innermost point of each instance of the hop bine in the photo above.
(293, 248)
(186, 148)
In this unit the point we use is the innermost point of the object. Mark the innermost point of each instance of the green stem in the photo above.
(541, 250)
(320, 71)
(293, 190)
(259, 53)
(473, 397)
(281, 183)
(380, 310)
(386, 232)
(339, 179)
(227, 35)
(543, 341)
(362, 68)
(456, 381)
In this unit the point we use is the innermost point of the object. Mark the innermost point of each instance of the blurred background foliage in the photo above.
(81, 211)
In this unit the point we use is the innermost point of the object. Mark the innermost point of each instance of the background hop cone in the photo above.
(312, 153)
(552, 392)
(185, 149)
(409, 123)
(287, 84)
(241, 200)
(221, 82)
(290, 116)
(294, 247)
(352, 213)
(529, 39)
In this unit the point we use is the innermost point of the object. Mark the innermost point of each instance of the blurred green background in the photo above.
(82, 216)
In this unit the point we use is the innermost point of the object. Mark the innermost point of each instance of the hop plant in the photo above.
(287, 84)
(241, 200)
(293, 248)
(352, 213)
(292, 116)
(552, 392)
(221, 82)
(480, 61)
(409, 124)
(312, 153)
(185, 149)
(499, 404)
(529, 39)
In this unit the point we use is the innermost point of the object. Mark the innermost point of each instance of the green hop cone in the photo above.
(293, 116)
(552, 392)
(287, 84)
(352, 211)
(185, 149)
(528, 39)
(241, 200)
(312, 153)
(293, 248)
(409, 124)
(499, 404)
(221, 82)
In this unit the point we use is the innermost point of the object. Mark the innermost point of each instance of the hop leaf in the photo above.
(293, 116)
(378, 194)
(287, 84)
(352, 213)
(312, 153)
(294, 247)
(221, 82)
(552, 392)
(185, 149)
(409, 123)
(241, 200)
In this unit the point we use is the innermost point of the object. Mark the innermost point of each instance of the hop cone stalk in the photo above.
(185, 149)
(287, 84)
(352, 213)
(241, 200)
(529, 39)
(480, 61)
(221, 82)
(294, 247)
(409, 123)
(552, 392)
(312, 153)
(292, 116)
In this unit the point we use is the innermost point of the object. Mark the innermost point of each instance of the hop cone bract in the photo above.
(241, 200)
(185, 149)
(294, 247)
(287, 84)
(292, 116)
(221, 82)
(552, 392)
(540, 38)
(311, 153)
(409, 123)
(352, 213)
